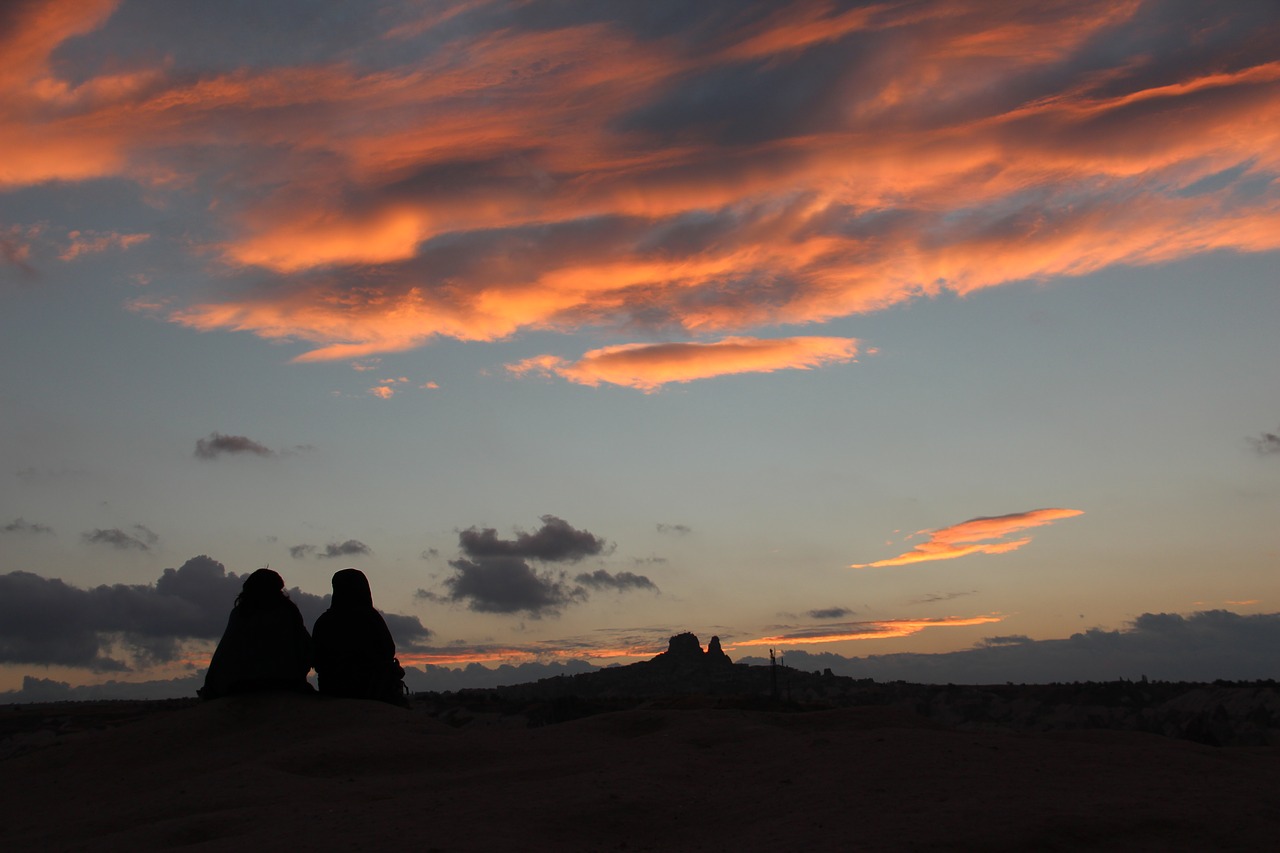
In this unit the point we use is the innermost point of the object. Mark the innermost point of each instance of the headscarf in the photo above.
(351, 591)
(264, 588)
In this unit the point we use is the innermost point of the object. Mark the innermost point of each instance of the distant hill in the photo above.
(1218, 714)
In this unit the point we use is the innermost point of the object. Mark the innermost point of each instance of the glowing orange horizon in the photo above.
(515, 655)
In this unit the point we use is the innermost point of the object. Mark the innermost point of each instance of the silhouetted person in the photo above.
(265, 645)
(355, 655)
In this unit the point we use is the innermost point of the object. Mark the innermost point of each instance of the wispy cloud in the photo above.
(138, 537)
(650, 366)
(331, 551)
(984, 535)
(622, 581)
(1266, 444)
(93, 242)
(15, 248)
(21, 525)
(877, 630)
(937, 597)
(732, 167)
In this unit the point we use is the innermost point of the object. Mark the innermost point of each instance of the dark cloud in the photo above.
(430, 554)
(21, 525)
(622, 581)
(46, 621)
(500, 584)
(140, 538)
(675, 529)
(495, 577)
(218, 444)
(1215, 644)
(934, 597)
(1266, 444)
(555, 541)
(350, 548)
(830, 613)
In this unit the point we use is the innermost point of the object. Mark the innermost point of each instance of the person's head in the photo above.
(262, 588)
(351, 589)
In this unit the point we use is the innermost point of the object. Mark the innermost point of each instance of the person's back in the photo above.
(265, 645)
(354, 653)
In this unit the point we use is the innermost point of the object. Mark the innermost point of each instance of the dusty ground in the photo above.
(303, 773)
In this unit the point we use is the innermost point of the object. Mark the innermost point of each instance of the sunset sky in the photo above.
(850, 328)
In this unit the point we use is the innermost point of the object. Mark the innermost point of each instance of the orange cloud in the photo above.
(587, 175)
(92, 242)
(881, 630)
(975, 536)
(650, 366)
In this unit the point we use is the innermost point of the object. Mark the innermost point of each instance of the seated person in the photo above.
(354, 653)
(265, 645)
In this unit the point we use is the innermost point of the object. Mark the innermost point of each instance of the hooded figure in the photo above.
(353, 651)
(265, 645)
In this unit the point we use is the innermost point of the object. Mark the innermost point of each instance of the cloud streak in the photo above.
(724, 168)
(650, 366)
(331, 551)
(983, 535)
(21, 525)
(138, 538)
(877, 630)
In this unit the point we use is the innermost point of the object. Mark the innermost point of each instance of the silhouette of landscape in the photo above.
(686, 751)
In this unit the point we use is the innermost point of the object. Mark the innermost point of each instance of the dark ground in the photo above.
(698, 771)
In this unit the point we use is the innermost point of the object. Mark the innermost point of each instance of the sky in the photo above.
(919, 331)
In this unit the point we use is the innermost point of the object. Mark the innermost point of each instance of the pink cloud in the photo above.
(559, 178)
(984, 535)
(650, 366)
(93, 242)
(878, 630)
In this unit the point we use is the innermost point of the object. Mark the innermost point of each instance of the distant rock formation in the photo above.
(685, 650)
(683, 647)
